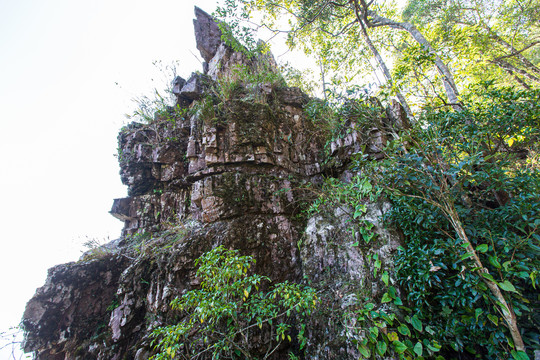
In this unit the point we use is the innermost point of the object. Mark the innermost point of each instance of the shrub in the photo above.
(230, 310)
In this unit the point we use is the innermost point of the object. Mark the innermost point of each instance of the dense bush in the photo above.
(466, 192)
(230, 309)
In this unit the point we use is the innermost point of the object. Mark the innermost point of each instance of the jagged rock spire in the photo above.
(207, 34)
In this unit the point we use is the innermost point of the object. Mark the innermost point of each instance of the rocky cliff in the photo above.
(232, 163)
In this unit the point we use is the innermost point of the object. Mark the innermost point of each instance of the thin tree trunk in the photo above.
(507, 66)
(511, 73)
(513, 51)
(381, 62)
(448, 79)
(508, 314)
(372, 19)
(323, 79)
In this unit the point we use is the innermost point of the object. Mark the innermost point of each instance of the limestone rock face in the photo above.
(340, 266)
(226, 165)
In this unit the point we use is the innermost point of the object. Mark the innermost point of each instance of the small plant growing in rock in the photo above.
(230, 316)
(97, 249)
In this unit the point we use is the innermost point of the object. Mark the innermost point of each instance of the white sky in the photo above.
(60, 112)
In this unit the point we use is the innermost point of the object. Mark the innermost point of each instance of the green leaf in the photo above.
(434, 346)
(466, 256)
(386, 298)
(487, 276)
(494, 261)
(418, 348)
(477, 313)
(375, 331)
(507, 286)
(364, 350)
(392, 292)
(519, 355)
(381, 347)
(416, 323)
(385, 278)
(482, 248)
(494, 319)
(404, 330)
(399, 347)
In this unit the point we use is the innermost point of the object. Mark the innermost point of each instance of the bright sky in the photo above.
(68, 72)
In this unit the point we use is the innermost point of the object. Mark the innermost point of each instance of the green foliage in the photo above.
(301, 79)
(247, 80)
(465, 187)
(482, 40)
(351, 197)
(155, 109)
(158, 107)
(230, 309)
(387, 333)
(235, 31)
(470, 169)
(384, 326)
(344, 112)
(472, 41)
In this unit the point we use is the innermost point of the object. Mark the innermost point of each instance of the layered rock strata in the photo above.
(226, 165)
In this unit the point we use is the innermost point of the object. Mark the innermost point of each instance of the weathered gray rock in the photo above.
(193, 88)
(178, 83)
(228, 169)
(73, 306)
(207, 34)
(343, 274)
(397, 116)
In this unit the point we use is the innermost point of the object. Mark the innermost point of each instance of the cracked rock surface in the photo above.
(214, 169)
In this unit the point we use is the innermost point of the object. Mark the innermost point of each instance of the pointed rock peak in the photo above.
(207, 34)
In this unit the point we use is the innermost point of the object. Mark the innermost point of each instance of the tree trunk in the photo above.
(506, 310)
(381, 62)
(513, 51)
(510, 72)
(505, 65)
(448, 79)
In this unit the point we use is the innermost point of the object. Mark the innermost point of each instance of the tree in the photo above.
(334, 28)
(502, 35)
(333, 33)
(373, 19)
(452, 151)
(454, 166)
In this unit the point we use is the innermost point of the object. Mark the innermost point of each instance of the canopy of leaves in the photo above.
(484, 39)
(478, 40)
